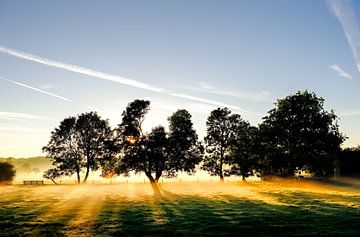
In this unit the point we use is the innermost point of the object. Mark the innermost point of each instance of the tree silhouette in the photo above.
(185, 152)
(244, 154)
(147, 154)
(221, 129)
(7, 173)
(77, 144)
(156, 153)
(299, 133)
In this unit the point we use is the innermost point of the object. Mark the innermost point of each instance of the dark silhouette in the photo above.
(349, 161)
(7, 173)
(221, 128)
(156, 153)
(298, 133)
(244, 152)
(184, 149)
(78, 143)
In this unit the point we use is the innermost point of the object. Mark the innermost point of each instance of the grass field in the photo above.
(281, 208)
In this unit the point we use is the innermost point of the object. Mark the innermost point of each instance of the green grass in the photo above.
(187, 209)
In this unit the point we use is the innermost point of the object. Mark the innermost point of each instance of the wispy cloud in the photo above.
(213, 102)
(111, 77)
(22, 129)
(36, 89)
(22, 117)
(47, 86)
(46, 93)
(345, 13)
(206, 87)
(78, 69)
(350, 113)
(340, 72)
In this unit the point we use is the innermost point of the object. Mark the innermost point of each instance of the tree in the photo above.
(156, 153)
(7, 173)
(147, 154)
(244, 154)
(300, 133)
(221, 128)
(133, 117)
(185, 152)
(79, 143)
(349, 160)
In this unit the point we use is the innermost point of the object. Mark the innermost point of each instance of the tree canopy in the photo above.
(300, 133)
(7, 173)
(244, 152)
(156, 153)
(78, 143)
(221, 128)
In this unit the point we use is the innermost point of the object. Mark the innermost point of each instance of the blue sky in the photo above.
(196, 55)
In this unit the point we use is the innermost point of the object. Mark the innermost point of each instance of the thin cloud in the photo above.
(251, 96)
(22, 117)
(78, 69)
(111, 77)
(345, 13)
(340, 72)
(46, 92)
(213, 102)
(348, 114)
(19, 129)
(38, 90)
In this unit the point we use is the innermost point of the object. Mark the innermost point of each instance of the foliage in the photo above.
(156, 153)
(244, 152)
(349, 159)
(7, 173)
(78, 143)
(185, 152)
(221, 133)
(133, 117)
(299, 133)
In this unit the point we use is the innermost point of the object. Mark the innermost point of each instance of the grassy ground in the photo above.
(282, 208)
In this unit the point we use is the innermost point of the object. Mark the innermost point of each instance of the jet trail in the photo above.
(111, 77)
(36, 89)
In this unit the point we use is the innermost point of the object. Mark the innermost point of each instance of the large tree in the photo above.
(244, 152)
(156, 153)
(7, 173)
(221, 128)
(79, 143)
(300, 133)
(184, 150)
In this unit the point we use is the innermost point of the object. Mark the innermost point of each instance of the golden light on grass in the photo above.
(81, 207)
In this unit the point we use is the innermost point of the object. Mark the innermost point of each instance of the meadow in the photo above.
(278, 208)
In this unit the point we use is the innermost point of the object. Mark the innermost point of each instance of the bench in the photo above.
(33, 182)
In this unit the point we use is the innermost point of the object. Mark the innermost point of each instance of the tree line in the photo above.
(297, 134)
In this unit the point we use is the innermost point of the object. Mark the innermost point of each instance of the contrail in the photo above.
(22, 117)
(78, 69)
(47, 93)
(36, 89)
(346, 14)
(212, 102)
(111, 77)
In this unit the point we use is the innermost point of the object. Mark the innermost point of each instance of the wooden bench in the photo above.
(33, 182)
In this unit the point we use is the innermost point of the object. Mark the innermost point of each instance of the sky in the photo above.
(63, 58)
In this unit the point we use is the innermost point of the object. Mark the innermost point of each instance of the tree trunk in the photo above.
(154, 185)
(78, 176)
(54, 181)
(86, 175)
(221, 171)
(87, 167)
(77, 172)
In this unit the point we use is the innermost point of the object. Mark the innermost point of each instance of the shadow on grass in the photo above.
(187, 215)
(296, 214)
